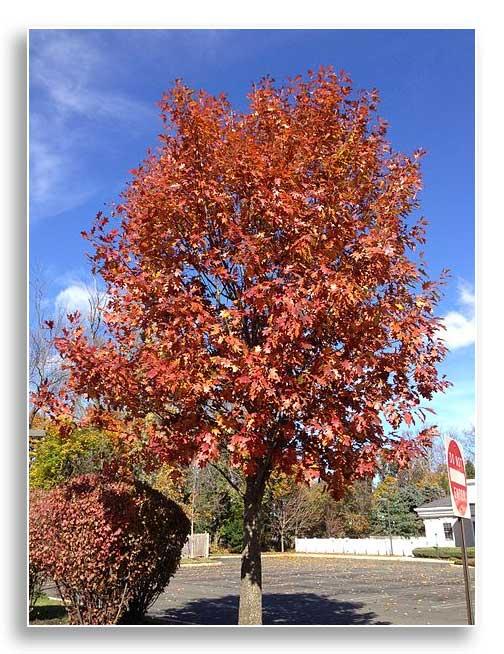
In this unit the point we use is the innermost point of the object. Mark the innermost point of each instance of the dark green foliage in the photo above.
(393, 512)
(430, 493)
(395, 499)
(231, 531)
(470, 470)
(444, 483)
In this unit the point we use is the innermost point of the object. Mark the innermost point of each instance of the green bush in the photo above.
(442, 552)
(470, 562)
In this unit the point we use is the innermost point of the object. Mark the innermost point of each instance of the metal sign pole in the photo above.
(389, 527)
(466, 574)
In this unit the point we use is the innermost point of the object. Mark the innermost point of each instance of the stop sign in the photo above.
(457, 478)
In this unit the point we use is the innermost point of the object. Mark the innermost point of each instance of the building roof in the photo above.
(441, 501)
(37, 433)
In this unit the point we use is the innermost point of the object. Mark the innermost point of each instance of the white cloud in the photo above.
(78, 296)
(461, 325)
(467, 296)
(460, 330)
(74, 298)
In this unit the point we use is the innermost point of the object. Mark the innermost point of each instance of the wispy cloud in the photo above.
(461, 325)
(71, 101)
(57, 177)
(455, 409)
(70, 66)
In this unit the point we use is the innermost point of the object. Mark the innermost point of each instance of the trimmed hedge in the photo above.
(470, 562)
(110, 545)
(442, 552)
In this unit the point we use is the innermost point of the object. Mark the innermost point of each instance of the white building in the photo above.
(442, 527)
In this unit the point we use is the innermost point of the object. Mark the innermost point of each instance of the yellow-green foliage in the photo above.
(55, 459)
(172, 482)
(386, 488)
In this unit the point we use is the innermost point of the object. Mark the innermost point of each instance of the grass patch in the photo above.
(48, 611)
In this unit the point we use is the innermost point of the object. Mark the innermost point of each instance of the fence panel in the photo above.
(197, 545)
(370, 546)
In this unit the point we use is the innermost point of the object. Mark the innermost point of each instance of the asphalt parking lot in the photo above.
(320, 591)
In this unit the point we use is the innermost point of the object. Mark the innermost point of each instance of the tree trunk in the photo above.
(31, 416)
(250, 611)
(281, 542)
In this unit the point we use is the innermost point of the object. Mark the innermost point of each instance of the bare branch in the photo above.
(228, 479)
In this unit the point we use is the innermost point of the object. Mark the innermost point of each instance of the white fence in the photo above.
(373, 546)
(196, 545)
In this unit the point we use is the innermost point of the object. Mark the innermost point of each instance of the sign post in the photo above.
(460, 504)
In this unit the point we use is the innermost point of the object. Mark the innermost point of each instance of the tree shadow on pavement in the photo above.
(278, 609)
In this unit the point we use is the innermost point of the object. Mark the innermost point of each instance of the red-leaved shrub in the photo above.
(109, 544)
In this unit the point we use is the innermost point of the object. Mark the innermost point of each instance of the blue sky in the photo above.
(93, 113)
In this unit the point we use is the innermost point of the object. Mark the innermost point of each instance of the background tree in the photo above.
(173, 482)
(46, 373)
(44, 361)
(208, 499)
(56, 459)
(294, 509)
(470, 470)
(263, 299)
(216, 503)
(183, 486)
(231, 529)
(466, 437)
(396, 497)
(350, 516)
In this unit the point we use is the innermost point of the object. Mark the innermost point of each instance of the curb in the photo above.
(264, 555)
(317, 555)
(368, 557)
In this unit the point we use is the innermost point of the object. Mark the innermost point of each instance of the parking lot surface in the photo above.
(320, 591)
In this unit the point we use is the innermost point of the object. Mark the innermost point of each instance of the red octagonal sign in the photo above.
(457, 478)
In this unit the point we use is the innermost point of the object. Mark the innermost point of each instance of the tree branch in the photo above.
(229, 480)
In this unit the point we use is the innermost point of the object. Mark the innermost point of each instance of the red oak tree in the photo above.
(264, 298)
